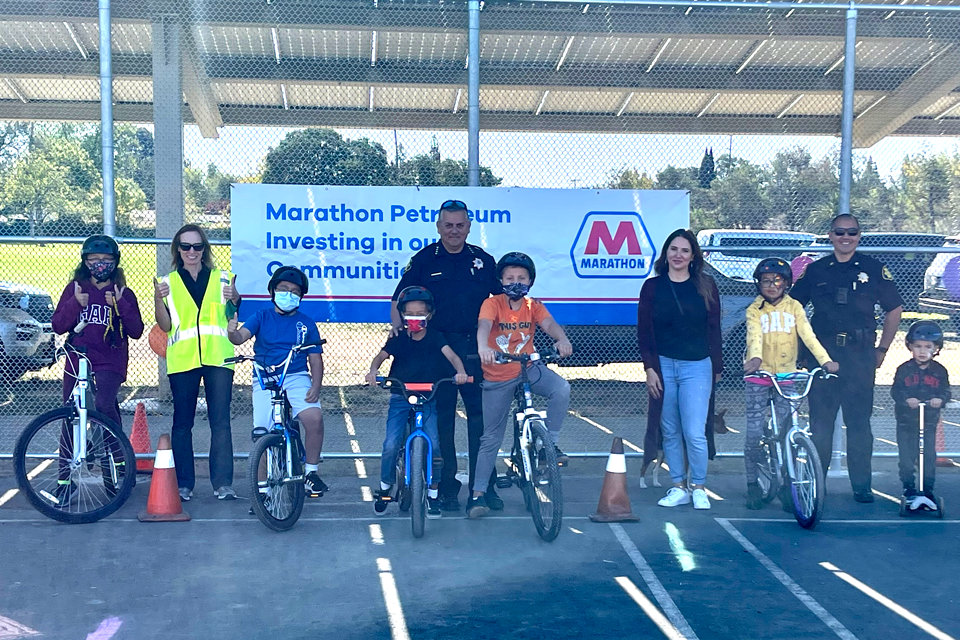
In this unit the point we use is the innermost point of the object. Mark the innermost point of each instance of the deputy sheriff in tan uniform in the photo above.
(845, 288)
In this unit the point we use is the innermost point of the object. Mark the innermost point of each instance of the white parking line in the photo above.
(649, 608)
(37, 470)
(887, 602)
(376, 534)
(653, 583)
(851, 521)
(354, 444)
(835, 625)
(10, 629)
(596, 424)
(398, 624)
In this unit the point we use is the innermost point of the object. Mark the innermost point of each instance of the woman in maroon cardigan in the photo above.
(678, 331)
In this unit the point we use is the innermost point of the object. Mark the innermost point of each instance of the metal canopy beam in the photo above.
(912, 97)
(612, 21)
(197, 88)
(766, 80)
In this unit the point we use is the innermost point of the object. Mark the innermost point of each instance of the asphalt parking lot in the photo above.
(344, 573)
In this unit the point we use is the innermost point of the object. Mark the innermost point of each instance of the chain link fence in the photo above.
(740, 106)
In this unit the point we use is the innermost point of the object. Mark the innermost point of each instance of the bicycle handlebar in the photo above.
(418, 388)
(547, 356)
(777, 378)
(297, 348)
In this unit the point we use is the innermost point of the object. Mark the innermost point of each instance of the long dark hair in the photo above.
(701, 280)
(176, 262)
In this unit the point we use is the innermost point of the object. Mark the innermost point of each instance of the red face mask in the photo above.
(416, 323)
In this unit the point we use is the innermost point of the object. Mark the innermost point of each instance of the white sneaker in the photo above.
(185, 494)
(675, 497)
(700, 499)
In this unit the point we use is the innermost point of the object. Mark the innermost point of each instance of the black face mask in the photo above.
(516, 290)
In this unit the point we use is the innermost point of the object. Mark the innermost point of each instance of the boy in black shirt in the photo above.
(920, 379)
(419, 355)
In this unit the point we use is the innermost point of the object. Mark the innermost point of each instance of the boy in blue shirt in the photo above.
(277, 330)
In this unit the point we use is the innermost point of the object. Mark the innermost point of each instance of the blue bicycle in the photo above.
(276, 466)
(415, 460)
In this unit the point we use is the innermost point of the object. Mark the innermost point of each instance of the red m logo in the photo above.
(600, 232)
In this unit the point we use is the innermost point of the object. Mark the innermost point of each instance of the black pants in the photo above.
(185, 387)
(908, 443)
(853, 391)
(463, 345)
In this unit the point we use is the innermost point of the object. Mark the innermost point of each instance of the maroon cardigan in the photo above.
(648, 352)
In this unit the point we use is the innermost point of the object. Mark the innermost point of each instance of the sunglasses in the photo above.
(848, 231)
(454, 204)
(186, 246)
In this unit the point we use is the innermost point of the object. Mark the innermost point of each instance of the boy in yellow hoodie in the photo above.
(774, 320)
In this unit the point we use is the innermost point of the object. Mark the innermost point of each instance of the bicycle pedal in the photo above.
(504, 482)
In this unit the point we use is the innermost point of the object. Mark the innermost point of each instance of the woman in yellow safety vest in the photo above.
(193, 305)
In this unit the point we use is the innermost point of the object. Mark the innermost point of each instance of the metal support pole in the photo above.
(846, 118)
(473, 94)
(106, 121)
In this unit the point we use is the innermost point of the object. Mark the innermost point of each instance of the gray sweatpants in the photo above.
(757, 400)
(497, 397)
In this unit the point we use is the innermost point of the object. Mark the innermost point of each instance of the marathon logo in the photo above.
(613, 244)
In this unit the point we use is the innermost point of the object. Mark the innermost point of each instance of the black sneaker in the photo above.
(493, 500)
(562, 459)
(754, 496)
(433, 508)
(382, 497)
(910, 492)
(315, 486)
(865, 497)
(449, 503)
(477, 508)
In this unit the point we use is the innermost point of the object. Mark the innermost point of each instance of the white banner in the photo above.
(592, 248)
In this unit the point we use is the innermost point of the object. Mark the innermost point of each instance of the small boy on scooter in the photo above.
(919, 380)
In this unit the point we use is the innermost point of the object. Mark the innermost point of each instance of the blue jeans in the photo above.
(687, 385)
(397, 415)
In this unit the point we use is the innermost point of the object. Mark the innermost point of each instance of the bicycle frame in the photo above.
(417, 432)
(524, 398)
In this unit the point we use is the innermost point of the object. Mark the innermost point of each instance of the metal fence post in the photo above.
(106, 121)
(473, 94)
(846, 119)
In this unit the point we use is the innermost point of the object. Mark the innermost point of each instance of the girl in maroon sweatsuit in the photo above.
(100, 313)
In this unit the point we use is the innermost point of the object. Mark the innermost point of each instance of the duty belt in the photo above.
(855, 338)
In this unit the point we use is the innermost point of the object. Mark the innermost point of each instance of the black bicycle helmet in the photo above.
(517, 259)
(925, 330)
(289, 274)
(413, 293)
(776, 266)
(100, 244)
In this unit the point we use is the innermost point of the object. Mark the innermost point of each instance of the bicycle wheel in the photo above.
(767, 472)
(807, 484)
(545, 490)
(418, 485)
(66, 490)
(276, 499)
(403, 491)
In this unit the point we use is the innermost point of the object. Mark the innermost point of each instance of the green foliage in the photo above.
(323, 156)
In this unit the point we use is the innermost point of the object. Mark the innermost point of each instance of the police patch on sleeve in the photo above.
(886, 273)
(407, 268)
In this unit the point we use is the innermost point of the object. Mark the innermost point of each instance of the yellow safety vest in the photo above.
(197, 337)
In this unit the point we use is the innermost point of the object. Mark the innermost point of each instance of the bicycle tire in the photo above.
(418, 486)
(280, 506)
(767, 469)
(403, 491)
(90, 491)
(807, 487)
(545, 488)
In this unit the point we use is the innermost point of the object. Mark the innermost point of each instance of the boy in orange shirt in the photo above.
(507, 324)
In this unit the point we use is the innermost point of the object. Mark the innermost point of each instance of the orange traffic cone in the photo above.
(163, 503)
(942, 446)
(614, 503)
(140, 438)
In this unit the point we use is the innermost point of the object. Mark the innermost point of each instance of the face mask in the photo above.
(286, 301)
(102, 271)
(416, 323)
(516, 290)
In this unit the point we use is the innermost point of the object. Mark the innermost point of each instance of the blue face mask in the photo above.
(516, 290)
(286, 301)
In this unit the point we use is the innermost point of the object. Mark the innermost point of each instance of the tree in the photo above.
(707, 173)
(803, 192)
(927, 185)
(628, 179)
(741, 195)
(323, 156)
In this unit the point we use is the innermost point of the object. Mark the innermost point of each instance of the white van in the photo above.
(739, 264)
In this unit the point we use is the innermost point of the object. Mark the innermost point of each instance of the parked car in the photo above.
(738, 264)
(27, 341)
(909, 268)
(936, 297)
